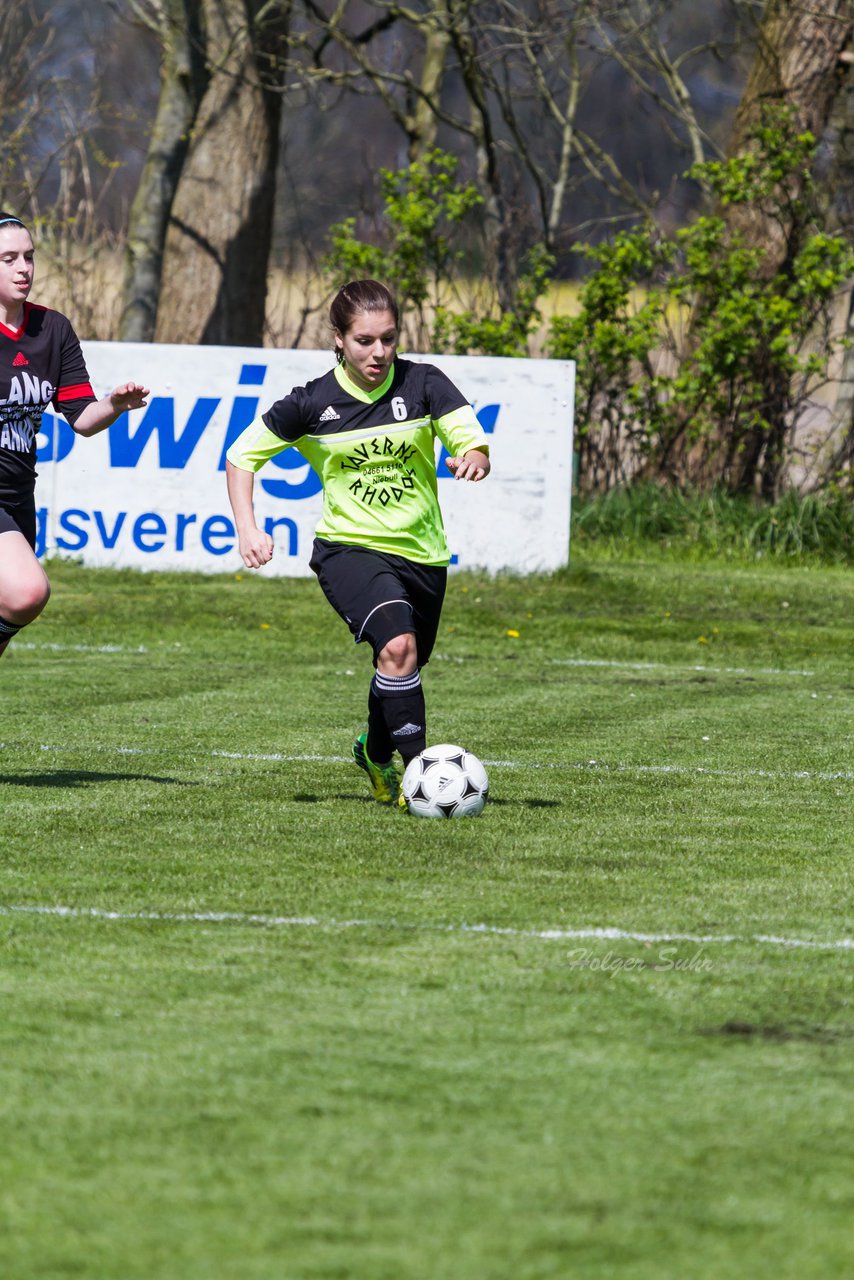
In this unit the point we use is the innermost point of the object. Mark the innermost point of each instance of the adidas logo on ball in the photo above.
(445, 782)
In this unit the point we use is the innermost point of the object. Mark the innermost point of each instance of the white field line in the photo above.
(280, 757)
(596, 934)
(669, 666)
(33, 646)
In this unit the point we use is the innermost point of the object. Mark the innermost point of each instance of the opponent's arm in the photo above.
(100, 414)
(256, 546)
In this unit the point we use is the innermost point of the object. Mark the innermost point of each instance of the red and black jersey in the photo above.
(40, 364)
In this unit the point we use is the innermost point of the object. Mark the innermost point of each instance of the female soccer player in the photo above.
(368, 427)
(40, 364)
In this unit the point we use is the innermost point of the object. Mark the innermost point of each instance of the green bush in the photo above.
(421, 246)
(424, 208)
(697, 353)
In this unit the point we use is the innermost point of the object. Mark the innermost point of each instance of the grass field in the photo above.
(255, 1026)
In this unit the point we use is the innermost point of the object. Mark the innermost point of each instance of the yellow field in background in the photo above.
(86, 285)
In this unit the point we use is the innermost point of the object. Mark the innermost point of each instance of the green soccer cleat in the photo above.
(384, 778)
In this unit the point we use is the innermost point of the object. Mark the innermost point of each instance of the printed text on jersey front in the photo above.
(383, 471)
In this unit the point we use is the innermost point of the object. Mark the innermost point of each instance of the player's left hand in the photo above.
(130, 395)
(473, 466)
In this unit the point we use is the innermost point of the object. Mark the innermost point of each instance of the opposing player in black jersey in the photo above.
(41, 364)
(368, 428)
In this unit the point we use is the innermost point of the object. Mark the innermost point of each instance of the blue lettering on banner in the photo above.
(126, 446)
(306, 485)
(288, 477)
(244, 409)
(55, 439)
(67, 524)
(41, 531)
(149, 525)
(151, 532)
(183, 523)
(243, 412)
(217, 527)
(109, 539)
(271, 525)
(128, 439)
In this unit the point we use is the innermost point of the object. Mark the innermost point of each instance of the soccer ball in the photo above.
(445, 782)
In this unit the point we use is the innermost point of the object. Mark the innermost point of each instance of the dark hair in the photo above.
(10, 219)
(360, 295)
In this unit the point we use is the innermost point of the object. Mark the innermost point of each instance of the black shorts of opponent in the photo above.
(381, 596)
(19, 517)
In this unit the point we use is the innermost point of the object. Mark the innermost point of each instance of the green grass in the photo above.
(385, 1091)
(647, 519)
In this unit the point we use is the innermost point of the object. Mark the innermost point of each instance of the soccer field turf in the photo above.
(256, 1026)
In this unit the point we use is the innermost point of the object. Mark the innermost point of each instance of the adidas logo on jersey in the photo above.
(329, 415)
(20, 360)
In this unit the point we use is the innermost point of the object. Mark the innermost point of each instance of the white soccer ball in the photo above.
(445, 782)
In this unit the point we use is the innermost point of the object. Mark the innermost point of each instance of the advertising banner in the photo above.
(150, 493)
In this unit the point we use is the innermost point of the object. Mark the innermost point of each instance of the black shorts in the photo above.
(381, 596)
(19, 517)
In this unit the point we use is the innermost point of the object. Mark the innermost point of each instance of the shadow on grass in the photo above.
(778, 1032)
(525, 802)
(84, 777)
(529, 802)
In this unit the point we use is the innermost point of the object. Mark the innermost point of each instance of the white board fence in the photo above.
(150, 492)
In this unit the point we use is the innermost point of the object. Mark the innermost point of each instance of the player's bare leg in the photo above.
(24, 588)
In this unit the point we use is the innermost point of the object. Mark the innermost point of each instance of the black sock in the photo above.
(401, 701)
(7, 630)
(379, 745)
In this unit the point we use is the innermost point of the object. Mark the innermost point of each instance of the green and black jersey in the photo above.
(374, 452)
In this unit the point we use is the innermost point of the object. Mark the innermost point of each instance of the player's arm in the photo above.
(466, 442)
(250, 451)
(473, 465)
(74, 397)
(256, 546)
(100, 414)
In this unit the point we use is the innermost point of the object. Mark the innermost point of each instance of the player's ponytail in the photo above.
(357, 296)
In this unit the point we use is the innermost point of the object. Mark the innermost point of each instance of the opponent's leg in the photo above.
(24, 588)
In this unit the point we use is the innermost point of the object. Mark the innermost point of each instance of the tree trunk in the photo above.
(421, 123)
(182, 84)
(837, 464)
(797, 63)
(214, 279)
(500, 264)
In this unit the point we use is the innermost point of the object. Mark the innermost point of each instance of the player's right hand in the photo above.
(256, 548)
